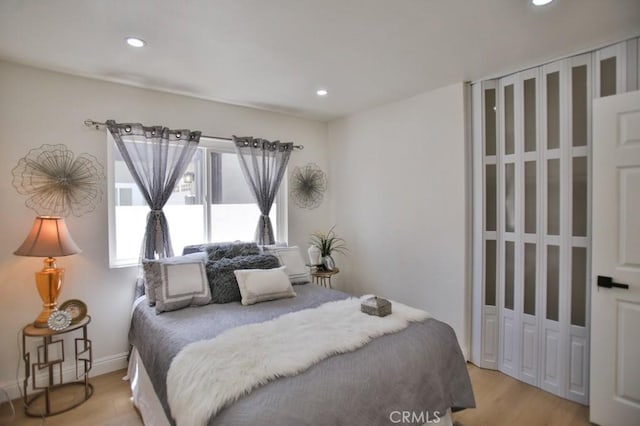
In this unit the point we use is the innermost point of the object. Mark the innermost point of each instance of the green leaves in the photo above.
(328, 242)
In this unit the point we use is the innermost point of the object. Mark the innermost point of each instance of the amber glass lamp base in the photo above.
(49, 284)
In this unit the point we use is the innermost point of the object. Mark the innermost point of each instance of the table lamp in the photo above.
(49, 237)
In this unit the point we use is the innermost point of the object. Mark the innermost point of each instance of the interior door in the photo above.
(615, 321)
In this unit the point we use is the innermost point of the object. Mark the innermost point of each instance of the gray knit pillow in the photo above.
(228, 249)
(231, 250)
(222, 280)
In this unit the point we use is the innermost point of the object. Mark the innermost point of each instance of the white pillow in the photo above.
(259, 285)
(291, 258)
(178, 283)
(151, 271)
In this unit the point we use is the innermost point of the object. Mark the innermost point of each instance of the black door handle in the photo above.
(607, 282)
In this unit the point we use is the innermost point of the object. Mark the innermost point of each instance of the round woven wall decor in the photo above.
(307, 186)
(58, 183)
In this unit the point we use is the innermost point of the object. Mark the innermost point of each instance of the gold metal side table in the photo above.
(49, 356)
(322, 277)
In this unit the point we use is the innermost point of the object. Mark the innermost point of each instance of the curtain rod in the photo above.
(97, 124)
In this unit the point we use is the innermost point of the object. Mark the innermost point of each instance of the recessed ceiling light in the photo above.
(321, 92)
(135, 42)
(540, 2)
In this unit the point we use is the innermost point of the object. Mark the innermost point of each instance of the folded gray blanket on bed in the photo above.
(419, 369)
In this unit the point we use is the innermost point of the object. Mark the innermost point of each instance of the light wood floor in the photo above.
(109, 405)
(500, 400)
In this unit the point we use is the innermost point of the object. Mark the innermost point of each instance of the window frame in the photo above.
(209, 145)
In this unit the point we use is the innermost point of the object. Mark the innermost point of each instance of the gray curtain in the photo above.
(263, 164)
(157, 158)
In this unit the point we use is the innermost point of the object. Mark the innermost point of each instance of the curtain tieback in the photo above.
(159, 235)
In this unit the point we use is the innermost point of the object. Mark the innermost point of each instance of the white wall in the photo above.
(38, 107)
(398, 182)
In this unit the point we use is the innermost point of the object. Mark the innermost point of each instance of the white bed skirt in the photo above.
(146, 401)
(143, 395)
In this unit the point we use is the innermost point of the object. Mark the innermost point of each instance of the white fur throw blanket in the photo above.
(207, 375)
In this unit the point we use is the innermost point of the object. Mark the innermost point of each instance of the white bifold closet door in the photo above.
(532, 238)
(565, 231)
(518, 199)
(536, 235)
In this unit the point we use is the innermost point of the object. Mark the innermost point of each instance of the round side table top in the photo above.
(325, 273)
(30, 330)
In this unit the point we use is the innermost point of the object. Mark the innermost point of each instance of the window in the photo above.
(211, 203)
(124, 194)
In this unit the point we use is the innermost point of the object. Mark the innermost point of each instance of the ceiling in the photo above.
(275, 54)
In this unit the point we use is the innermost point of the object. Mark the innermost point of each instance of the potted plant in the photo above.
(328, 243)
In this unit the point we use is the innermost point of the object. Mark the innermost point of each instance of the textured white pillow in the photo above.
(259, 285)
(291, 258)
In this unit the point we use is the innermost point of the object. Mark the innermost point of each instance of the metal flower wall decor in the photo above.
(56, 183)
(308, 184)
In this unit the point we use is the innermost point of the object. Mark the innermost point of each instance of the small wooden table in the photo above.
(49, 356)
(322, 277)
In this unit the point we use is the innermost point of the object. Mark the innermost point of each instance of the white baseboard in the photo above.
(465, 352)
(100, 366)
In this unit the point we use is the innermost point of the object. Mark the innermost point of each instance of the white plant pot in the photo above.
(315, 255)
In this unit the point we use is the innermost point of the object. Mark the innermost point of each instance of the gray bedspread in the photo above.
(419, 369)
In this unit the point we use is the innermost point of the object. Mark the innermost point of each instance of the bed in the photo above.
(414, 376)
